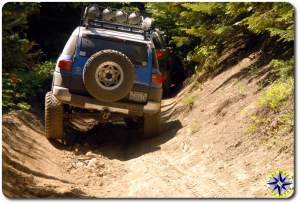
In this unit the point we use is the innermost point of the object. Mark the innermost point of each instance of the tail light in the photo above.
(65, 64)
(160, 54)
(158, 78)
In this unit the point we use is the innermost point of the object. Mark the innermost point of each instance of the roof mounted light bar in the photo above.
(115, 19)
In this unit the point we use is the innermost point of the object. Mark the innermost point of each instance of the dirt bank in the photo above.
(203, 151)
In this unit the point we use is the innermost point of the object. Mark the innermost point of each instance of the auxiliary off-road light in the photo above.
(65, 64)
(107, 14)
(121, 17)
(92, 12)
(158, 78)
(134, 18)
(146, 24)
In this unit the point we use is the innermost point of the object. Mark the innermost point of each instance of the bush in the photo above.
(21, 85)
(17, 50)
(201, 53)
(275, 96)
(283, 69)
(189, 101)
(215, 23)
(275, 116)
(276, 19)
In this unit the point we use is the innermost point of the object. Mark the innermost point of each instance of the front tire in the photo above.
(53, 117)
(151, 125)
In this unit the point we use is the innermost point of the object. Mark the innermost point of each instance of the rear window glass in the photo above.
(136, 52)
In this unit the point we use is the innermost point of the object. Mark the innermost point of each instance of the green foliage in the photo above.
(205, 20)
(15, 16)
(218, 22)
(277, 19)
(286, 121)
(272, 125)
(166, 16)
(201, 53)
(205, 8)
(275, 115)
(275, 112)
(189, 100)
(255, 123)
(283, 69)
(179, 41)
(277, 94)
(21, 85)
(18, 51)
(22, 75)
(130, 9)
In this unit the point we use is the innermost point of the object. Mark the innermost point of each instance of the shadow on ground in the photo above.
(116, 141)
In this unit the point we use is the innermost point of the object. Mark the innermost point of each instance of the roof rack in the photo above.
(115, 26)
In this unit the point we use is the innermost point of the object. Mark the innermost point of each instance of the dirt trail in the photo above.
(203, 150)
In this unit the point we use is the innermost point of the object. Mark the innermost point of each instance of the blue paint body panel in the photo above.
(142, 74)
(143, 71)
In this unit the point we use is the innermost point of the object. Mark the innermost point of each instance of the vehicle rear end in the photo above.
(105, 73)
(84, 43)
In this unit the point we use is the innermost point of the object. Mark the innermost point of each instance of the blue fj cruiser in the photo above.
(108, 69)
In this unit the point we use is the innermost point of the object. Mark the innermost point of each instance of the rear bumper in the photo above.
(64, 95)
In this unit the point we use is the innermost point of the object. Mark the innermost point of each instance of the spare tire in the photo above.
(108, 75)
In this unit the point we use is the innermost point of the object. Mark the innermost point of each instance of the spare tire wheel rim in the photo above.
(109, 75)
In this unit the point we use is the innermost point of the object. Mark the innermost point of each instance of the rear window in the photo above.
(136, 52)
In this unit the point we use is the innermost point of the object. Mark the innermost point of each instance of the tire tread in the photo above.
(152, 125)
(53, 117)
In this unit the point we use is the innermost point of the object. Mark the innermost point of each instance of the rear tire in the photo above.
(54, 115)
(167, 85)
(151, 125)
